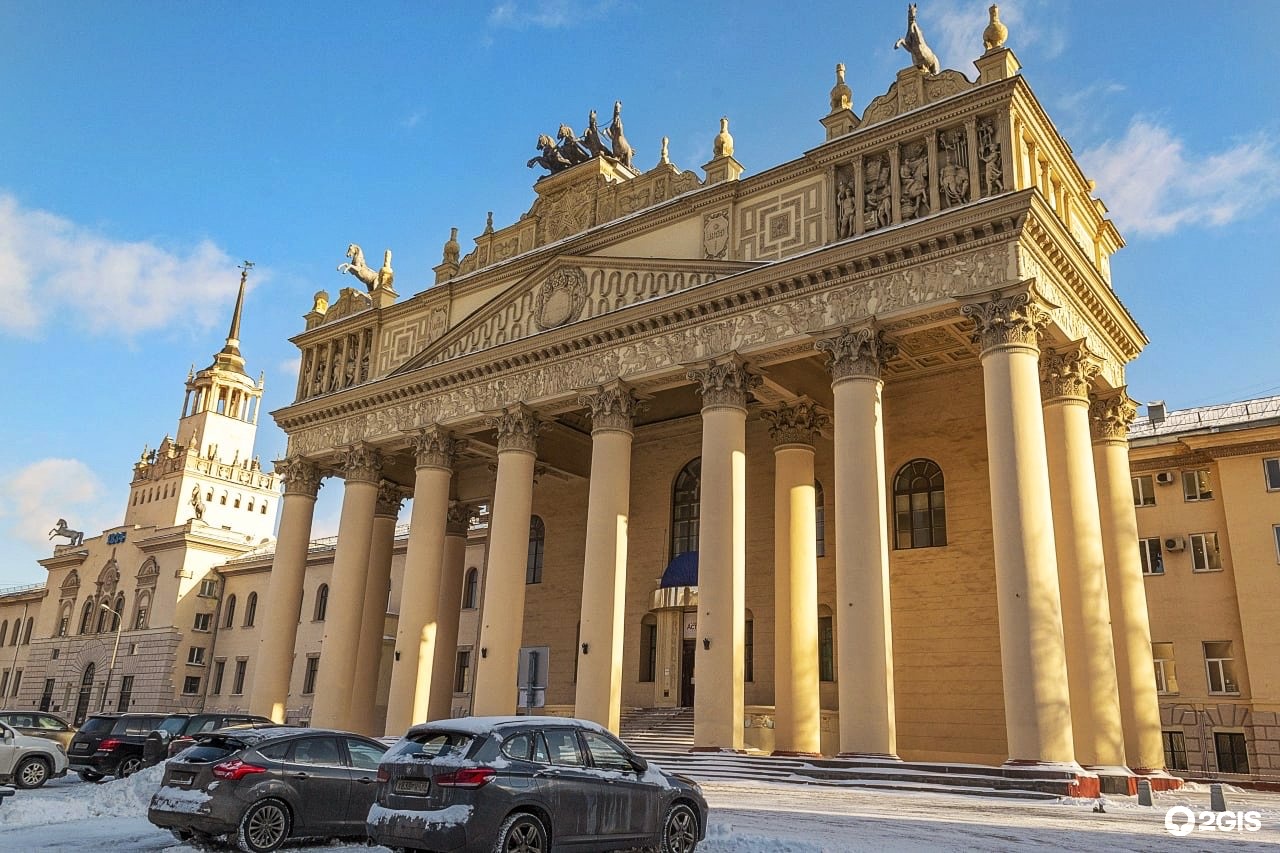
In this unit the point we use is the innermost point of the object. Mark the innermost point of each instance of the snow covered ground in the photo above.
(746, 817)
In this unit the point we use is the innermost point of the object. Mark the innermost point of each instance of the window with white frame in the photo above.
(1195, 486)
(1166, 670)
(1144, 490)
(203, 621)
(1220, 667)
(209, 588)
(195, 656)
(1271, 471)
(1205, 556)
(1152, 559)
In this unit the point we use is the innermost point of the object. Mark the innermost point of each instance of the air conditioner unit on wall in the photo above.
(1175, 543)
(1165, 478)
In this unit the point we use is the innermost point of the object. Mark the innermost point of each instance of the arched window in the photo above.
(919, 508)
(117, 612)
(820, 518)
(86, 617)
(826, 645)
(143, 605)
(230, 620)
(537, 542)
(251, 610)
(103, 616)
(471, 590)
(322, 601)
(4, 631)
(17, 632)
(26, 635)
(686, 496)
(64, 619)
(648, 647)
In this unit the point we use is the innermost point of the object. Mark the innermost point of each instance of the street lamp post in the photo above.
(115, 650)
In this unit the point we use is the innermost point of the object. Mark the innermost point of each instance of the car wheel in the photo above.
(88, 775)
(680, 830)
(264, 827)
(521, 833)
(128, 766)
(31, 773)
(183, 835)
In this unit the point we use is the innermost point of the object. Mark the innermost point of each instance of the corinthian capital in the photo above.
(390, 498)
(1065, 373)
(300, 476)
(1110, 414)
(459, 518)
(361, 464)
(724, 382)
(435, 447)
(796, 422)
(613, 406)
(1008, 320)
(857, 352)
(517, 427)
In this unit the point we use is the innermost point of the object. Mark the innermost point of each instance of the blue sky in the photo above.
(149, 147)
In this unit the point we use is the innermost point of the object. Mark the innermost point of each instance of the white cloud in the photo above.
(953, 30)
(1154, 186)
(547, 14)
(54, 270)
(44, 491)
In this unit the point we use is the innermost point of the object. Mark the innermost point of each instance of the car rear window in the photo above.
(431, 745)
(97, 725)
(136, 725)
(208, 750)
(173, 725)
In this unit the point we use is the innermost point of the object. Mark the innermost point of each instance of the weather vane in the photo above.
(244, 269)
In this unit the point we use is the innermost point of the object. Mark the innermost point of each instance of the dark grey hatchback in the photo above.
(261, 787)
(529, 785)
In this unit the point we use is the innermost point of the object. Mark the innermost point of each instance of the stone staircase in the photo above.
(665, 736)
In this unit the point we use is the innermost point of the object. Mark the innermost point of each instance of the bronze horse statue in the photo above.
(76, 537)
(622, 151)
(913, 42)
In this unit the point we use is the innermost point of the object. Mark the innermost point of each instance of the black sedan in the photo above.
(529, 784)
(263, 786)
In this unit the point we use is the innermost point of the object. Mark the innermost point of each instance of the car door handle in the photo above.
(365, 780)
(301, 775)
(542, 774)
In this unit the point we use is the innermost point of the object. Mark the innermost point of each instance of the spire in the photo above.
(230, 354)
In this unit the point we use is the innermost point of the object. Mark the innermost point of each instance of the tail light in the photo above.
(470, 777)
(383, 775)
(235, 770)
(109, 744)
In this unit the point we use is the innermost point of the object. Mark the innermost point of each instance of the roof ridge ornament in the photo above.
(571, 149)
(913, 42)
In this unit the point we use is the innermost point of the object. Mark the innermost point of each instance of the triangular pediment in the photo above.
(566, 290)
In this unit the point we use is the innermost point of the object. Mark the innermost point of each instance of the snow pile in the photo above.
(181, 800)
(82, 800)
(722, 839)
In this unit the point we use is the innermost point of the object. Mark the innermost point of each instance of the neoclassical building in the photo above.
(833, 453)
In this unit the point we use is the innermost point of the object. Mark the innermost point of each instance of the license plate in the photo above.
(80, 747)
(183, 778)
(413, 786)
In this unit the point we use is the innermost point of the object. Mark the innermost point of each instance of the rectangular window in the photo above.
(1205, 556)
(126, 693)
(1271, 471)
(209, 588)
(1275, 531)
(191, 685)
(62, 626)
(1152, 559)
(46, 696)
(219, 668)
(237, 683)
(826, 650)
(648, 652)
(748, 651)
(462, 671)
(309, 678)
(17, 682)
(1166, 671)
(1144, 490)
(4, 683)
(203, 621)
(1195, 486)
(1175, 750)
(1220, 667)
(1233, 756)
(195, 656)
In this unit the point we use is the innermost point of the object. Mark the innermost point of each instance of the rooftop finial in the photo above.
(723, 146)
(233, 334)
(841, 94)
(664, 158)
(996, 32)
(451, 247)
(488, 223)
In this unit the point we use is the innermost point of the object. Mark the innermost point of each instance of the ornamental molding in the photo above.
(1013, 319)
(301, 476)
(613, 406)
(361, 463)
(857, 353)
(1246, 449)
(724, 383)
(390, 499)
(517, 428)
(561, 298)
(1110, 414)
(799, 421)
(1067, 373)
(458, 518)
(435, 447)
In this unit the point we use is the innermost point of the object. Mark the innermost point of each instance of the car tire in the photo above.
(128, 766)
(89, 775)
(31, 772)
(679, 829)
(521, 833)
(183, 835)
(264, 827)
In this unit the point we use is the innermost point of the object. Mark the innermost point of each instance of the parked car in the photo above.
(110, 744)
(508, 784)
(264, 786)
(176, 732)
(40, 724)
(27, 761)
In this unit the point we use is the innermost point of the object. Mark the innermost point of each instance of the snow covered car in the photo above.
(261, 787)
(506, 784)
(29, 762)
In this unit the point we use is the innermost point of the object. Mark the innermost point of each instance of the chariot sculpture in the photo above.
(571, 149)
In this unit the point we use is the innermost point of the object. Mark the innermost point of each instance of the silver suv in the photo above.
(27, 761)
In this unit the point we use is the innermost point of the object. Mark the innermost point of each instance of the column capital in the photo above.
(390, 498)
(860, 352)
(796, 422)
(1066, 372)
(436, 447)
(613, 406)
(724, 382)
(458, 521)
(361, 463)
(301, 476)
(517, 427)
(1009, 319)
(1110, 414)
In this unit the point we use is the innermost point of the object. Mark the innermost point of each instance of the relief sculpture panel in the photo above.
(781, 223)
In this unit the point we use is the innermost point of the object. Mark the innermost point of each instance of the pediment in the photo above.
(913, 89)
(569, 289)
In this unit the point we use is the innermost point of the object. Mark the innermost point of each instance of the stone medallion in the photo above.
(561, 298)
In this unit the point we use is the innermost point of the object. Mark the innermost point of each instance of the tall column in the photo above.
(1130, 628)
(604, 576)
(797, 718)
(362, 471)
(373, 624)
(1037, 707)
(1082, 581)
(502, 619)
(718, 696)
(863, 614)
(418, 625)
(284, 589)
(448, 609)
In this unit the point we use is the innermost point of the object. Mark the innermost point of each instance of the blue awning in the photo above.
(681, 571)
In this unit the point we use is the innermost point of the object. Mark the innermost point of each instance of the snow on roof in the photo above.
(1215, 418)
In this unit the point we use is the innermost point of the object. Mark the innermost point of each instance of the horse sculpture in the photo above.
(372, 278)
(569, 148)
(592, 140)
(622, 151)
(76, 537)
(913, 42)
(550, 159)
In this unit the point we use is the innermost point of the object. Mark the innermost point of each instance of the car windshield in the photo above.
(96, 725)
(431, 745)
(173, 725)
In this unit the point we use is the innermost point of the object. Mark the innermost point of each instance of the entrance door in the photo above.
(686, 673)
(82, 701)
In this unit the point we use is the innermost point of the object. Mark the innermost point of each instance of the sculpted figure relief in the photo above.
(913, 42)
(878, 203)
(989, 154)
(914, 173)
(845, 208)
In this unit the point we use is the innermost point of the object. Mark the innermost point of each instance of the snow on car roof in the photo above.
(484, 725)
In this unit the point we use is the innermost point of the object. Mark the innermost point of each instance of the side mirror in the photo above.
(639, 764)
(8, 734)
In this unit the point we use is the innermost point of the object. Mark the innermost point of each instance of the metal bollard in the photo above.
(1144, 792)
(1216, 801)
